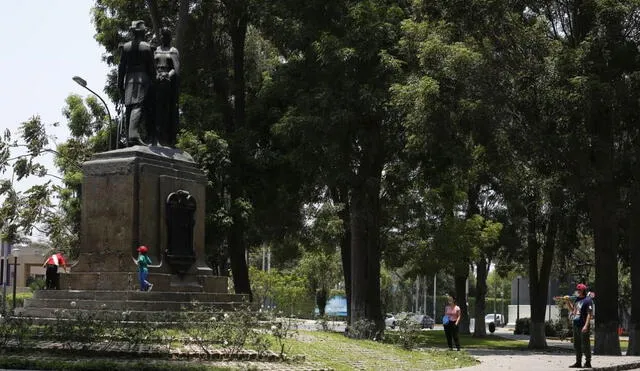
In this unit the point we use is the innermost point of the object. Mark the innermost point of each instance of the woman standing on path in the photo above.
(450, 322)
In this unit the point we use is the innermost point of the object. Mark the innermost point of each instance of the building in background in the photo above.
(520, 301)
(29, 264)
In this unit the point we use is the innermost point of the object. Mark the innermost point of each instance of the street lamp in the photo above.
(82, 82)
(5, 273)
(495, 299)
(502, 306)
(518, 299)
(15, 252)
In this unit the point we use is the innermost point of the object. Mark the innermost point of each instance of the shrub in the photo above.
(363, 329)
(35, 283)
(19, 299)
(408, 333)
(282, 330)
(523, 326)
(550, 328)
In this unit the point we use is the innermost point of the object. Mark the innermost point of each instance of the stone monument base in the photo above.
(128, 281)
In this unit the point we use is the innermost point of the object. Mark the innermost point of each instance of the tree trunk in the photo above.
(634, 245)
(345, 253)
(374, 302)
(155, 16)
(604, 222)
(365, 232)
(365, 259)
(181, 28)
(237, 249)
(482, 270)
(460, 279)
(237, 241)
(538, 336)
(539, 275)
(461, 270)
(358, 257)
(341, 195)
(321, 300)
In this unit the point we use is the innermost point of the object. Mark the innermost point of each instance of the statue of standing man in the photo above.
(136, 73)
(166, 89)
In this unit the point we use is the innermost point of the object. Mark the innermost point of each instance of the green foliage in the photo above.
(288, 292)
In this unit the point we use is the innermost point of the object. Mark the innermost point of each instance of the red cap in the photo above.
(143, 249)
(581, 287)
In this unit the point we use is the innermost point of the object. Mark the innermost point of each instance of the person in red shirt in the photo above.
(52, 277)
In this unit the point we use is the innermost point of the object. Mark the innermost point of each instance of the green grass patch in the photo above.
(341, 353)
(58, 363)
(437, 339)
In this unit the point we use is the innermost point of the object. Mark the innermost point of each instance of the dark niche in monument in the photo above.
(180, 211)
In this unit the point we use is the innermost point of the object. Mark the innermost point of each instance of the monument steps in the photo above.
(136, 295)
(139, 306)
(44, 315)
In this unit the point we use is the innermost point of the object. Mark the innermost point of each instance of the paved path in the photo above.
(557, 358)
(490, 360)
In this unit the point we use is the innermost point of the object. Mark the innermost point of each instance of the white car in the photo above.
(390, 321)
(498, 320)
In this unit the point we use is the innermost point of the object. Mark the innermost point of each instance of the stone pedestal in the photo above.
(124, 205)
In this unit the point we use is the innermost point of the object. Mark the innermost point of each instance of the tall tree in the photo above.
(595, 64)
(338, 71)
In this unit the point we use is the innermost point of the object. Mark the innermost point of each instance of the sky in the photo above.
(46, 43)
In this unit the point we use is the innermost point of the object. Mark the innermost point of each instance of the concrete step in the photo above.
(136, 305)
(138, 295)
(43, 315)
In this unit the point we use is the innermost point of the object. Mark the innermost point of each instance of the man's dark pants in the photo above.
(581, 343)
(52, 277)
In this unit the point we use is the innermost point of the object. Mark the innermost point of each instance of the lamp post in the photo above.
(5, 273)
(82, 82)
(549, 297)
(505, 316)
(15, 252)
(518, 299)
(495, 299)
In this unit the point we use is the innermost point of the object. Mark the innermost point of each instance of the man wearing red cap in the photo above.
(52, 277)
(581, 312)
(143, 270)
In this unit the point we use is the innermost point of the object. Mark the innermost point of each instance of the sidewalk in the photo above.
(544, 361)
(558, 357)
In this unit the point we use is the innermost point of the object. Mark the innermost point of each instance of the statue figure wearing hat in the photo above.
(136, 73)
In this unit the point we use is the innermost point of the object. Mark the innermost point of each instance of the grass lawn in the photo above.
(437, 339)
(341, 353)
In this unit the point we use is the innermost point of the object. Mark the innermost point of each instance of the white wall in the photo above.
(525, 312)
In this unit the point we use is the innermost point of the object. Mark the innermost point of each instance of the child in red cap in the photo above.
(143, 270)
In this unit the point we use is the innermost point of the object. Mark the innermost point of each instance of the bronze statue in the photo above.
(167, 74)
(136, 73)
